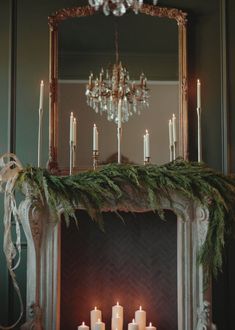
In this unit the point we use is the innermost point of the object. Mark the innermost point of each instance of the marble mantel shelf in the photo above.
(43, 262)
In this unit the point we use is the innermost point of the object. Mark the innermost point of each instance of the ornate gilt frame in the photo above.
(157, 11)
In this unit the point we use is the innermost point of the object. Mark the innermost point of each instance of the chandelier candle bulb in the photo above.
(151, 327)
(99, 325)
(95, 315)
(83, 326)
(198, 93)
(117, 322)
(133, 325)
(95, 138)
(140, 318)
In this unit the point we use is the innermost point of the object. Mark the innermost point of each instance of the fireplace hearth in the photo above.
(133, 260)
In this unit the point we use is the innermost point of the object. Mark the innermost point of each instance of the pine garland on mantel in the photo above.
(113, 184)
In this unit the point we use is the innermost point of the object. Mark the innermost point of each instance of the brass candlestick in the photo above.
(147, 160)
(95, 157)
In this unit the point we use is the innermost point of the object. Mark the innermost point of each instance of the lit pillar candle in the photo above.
(99, 325)
(133, 325)
(95, 315)
(117, 309)
(95, 138)
(117, 322)
(83, 326)
(71, 136)
(198, 93)
(147, 145)
(174, 132)
(41, 95)
(140, 318)
(151, 327)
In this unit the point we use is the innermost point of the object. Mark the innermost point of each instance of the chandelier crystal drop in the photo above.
(117, 7)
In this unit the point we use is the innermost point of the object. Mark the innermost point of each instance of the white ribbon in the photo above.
(10, 167)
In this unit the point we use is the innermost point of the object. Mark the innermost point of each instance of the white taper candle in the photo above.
(41, 95)
(147, 142)
(198, 93)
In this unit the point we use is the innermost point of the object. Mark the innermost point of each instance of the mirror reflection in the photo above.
(87, 44)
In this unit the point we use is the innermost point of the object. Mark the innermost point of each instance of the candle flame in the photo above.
(95, 308)
(147, 131)
(150, 324)
(140, 308)
(117, 303)
(133, 321)
(198, 81)
(42, 83)
(94, 125)
(83, 323)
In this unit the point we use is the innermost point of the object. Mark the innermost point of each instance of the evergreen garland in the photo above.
(115, 184)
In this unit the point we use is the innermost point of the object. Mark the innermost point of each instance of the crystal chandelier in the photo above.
(105, 93)
(117, 7)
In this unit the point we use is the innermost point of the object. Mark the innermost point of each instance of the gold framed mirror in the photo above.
(86, 11)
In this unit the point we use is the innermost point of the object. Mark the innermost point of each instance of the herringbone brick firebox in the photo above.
(133, 261)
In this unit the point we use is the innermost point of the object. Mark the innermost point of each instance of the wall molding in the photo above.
(225, 129)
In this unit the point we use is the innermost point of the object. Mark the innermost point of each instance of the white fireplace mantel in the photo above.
(43, 264)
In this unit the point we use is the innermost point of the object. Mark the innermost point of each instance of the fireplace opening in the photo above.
(133, 261)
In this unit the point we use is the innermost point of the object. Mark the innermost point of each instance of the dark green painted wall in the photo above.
(204, 61)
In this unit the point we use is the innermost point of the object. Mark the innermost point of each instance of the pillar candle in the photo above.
(117, 322)
(83, 326)
(95, 315)
(174, 132)
(41, 95)
(147, 145)
(198, 93)
(71, 128)
(99, 325)
(95, 138)
(133, 325)
(117, 309)
(140, 318)
(151, 327)
(74, 131)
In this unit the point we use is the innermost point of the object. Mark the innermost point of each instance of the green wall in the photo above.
(204, 59)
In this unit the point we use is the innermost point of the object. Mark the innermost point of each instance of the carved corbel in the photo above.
(32, 214)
